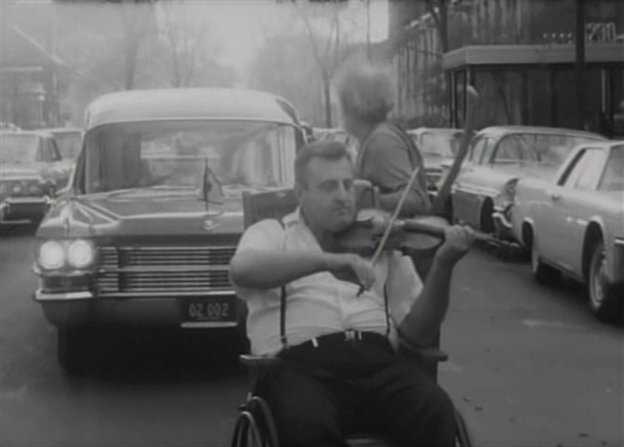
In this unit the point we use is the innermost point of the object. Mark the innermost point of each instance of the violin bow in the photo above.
(472, 99)
(394, 216)
(438, 204)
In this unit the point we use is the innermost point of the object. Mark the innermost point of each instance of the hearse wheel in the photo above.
(73, 350)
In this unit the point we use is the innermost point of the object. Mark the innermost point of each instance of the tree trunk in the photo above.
(443, 26)
(130, 64)
(327, 97)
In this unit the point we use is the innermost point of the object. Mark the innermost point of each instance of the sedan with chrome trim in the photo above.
(575, 224)
(500, 155)
(31, 172)
(145, 233)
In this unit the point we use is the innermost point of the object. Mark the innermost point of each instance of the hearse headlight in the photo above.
(35, 188)
(51, 255)
(80, 253)
(17, 188)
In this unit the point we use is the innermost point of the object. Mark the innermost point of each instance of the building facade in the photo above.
(520, 60)
(31, 74)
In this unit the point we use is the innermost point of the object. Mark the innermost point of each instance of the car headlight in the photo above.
(509, 192)
(17, 188)
(80, 253)
(35, 189)
(510, 189)
(51, 255)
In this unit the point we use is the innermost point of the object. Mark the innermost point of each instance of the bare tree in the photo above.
(185, 34)
(137, 18)
(282, 65)
(328, 53)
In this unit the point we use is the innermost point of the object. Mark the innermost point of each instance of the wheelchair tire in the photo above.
(255, 426)
(246, 432)
(462, 438)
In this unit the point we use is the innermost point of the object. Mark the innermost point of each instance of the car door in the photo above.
(563, 242)
(467, 195)
(55, 168)
(63, 165)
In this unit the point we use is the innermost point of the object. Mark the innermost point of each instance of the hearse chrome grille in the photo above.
(163, 270)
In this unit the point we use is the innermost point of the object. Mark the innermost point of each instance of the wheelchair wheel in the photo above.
(255, 426)
(462, 439)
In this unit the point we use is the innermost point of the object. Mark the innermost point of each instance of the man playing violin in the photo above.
(338, 347)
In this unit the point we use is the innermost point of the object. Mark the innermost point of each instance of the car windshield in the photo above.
(547, 149)
(440, 144)
(15, 148)
(184, 155)
(68, 144)
(613, 177)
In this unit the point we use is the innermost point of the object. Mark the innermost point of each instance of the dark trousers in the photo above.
(321, 394)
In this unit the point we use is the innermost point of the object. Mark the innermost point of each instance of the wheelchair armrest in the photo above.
(258, 361)
(430, 354)
(257, 366)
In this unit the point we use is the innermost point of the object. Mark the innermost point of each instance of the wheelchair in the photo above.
(255, 426)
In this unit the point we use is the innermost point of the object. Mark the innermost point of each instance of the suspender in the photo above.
(283, 317)
(282, 328)
(282, 323)
(385, 291)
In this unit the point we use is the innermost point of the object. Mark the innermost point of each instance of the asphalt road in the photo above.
(529, 366)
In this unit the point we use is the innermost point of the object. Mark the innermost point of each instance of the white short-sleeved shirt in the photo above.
(320, 304)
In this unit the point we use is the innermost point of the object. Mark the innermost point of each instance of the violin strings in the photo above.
(395, 215)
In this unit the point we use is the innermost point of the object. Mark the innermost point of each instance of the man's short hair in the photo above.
(327, 150)
(366, 91)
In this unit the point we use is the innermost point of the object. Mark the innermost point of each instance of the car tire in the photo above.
(72, 350)
(486, 221)
(543, 273)
(602, 296)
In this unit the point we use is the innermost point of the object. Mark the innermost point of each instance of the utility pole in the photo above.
(579, 66)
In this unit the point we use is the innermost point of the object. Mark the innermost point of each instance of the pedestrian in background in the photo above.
(387, 156)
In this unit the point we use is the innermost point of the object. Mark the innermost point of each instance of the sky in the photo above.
(236, 24)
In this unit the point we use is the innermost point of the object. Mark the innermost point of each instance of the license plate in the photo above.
(203, 310)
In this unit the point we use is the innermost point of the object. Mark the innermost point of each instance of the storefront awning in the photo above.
(492, 55)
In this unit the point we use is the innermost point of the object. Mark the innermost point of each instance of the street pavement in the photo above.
(529, 366)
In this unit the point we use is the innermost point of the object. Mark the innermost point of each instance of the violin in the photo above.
(376, 230)
(366, 235)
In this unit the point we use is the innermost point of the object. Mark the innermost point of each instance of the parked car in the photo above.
(145, 234)
(5, 125)
(498, 156)
(438, 147)
(575, 223)
(31, 171)
(68, 141)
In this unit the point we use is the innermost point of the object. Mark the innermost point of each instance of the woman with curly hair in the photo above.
(386, 156)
